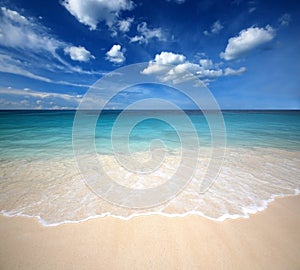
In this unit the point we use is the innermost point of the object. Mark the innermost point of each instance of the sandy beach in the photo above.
(267, 240)
(149, 135)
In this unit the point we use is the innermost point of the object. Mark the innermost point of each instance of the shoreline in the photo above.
(244, 186)
(247, 214)
(267, 239)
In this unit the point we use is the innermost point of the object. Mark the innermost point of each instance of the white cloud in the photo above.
(13, 66)
(38, 94)
(124, 25)
(214, 29)
(16, 31)
(30, 99)
(157, 66)
(91, 12)
(139, 39)
(232, 72)
(168, 66)
(285, 19)
(116, 54)
(28, 47)
(173, 67)
(206, 63)
(14, 16)
(247, 40)
(80, 53)
(169, 58)
(210, 74)
(181, 72)
(146, 34)
(154, 68)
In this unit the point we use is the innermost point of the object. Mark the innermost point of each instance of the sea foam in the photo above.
(54, 192)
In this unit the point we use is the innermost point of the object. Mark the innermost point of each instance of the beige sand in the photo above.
(267, 240)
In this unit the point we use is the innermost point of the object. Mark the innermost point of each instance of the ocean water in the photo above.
(39, 175)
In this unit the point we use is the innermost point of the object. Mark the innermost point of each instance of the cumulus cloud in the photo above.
(214, 29)
(284, 19)
(164, 58)
(169, 58)
(147, 33)
(139, 39)
(91, 12)
(231, 72)
(247, 40)
(116, 54)
(124, 25)
(14, 16)
(169, 66)
(80, 53)
(182, 72)
(206, 63)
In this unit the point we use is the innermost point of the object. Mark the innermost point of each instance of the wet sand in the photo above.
(267, 240)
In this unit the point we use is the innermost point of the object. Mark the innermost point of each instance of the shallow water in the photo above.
(40, 178)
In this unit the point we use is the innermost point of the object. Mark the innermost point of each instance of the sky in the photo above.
(245, 52)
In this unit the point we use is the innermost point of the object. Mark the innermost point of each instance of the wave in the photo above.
(53, 191)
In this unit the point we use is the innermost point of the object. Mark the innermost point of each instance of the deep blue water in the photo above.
(43, 134)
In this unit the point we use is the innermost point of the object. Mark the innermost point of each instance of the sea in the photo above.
(42, 174)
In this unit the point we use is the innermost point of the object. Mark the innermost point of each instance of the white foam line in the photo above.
(246, 213)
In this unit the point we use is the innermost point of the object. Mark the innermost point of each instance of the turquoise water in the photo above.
(39, 175)
(42, 134)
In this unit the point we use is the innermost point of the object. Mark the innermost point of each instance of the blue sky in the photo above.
(246, 52)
